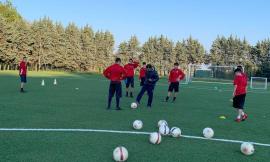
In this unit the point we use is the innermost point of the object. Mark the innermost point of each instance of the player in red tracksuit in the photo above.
(130, 70)
(23, 72)
(239, 93)
(115, 73)
(175, 76)
(142, 74)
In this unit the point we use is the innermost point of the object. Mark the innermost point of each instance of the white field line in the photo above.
(116, 131)
(185, 85)
(212, 89)
(101, 79)
(207, 82)
(164, 84)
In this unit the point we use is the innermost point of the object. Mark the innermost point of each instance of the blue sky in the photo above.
(177, 19)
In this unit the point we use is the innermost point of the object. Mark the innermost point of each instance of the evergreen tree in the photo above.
(263, 58)
(123, 51)
(43, 33)
(195, 51)
(217, 52)
(49, 45)
(130, 49)
(59, 47)
(152, 53)
(166, 50)
(88, 47)
(180, 53)
(9, 12)
(73, 59)
(4, 42)
(104, 49)
(108, 49)
(134, 47)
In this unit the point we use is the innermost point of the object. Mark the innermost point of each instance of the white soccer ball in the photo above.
(175, 132)
(208, 132)
(247, 148)
(137, 124)
(120, 154)
(162, 122)
(134, 105)
(155, 138)
(164, 130)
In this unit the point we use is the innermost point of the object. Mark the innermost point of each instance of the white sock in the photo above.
(242, 113)
(238, 117)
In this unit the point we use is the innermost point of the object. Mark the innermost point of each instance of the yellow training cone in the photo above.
(222, 117)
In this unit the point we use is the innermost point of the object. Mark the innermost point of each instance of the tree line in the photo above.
(51, 46)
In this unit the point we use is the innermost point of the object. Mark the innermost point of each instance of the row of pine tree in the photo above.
(51, 46)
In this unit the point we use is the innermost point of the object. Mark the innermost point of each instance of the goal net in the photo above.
(258, 83)
(210, 73)
(185, 80)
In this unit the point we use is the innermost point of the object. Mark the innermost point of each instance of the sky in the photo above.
(177, 19)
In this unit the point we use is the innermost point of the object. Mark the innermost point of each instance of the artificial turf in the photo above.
(199, 105)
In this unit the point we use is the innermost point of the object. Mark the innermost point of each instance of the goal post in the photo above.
(210, 73)
(258, 83)
(185, 80)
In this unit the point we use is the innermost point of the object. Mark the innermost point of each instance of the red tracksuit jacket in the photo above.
(23, 68)
(130, 67)
(176, 75)
(241, 83)
(142, 73)
(115, 72)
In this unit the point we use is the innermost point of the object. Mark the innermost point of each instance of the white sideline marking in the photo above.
(209, 82)
(224, 140)
(166, 84)
(119, 132)
(69, 130)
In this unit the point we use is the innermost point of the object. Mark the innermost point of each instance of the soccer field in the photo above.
(199, 105)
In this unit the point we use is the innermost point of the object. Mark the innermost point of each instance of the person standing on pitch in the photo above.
(130, 69)
(239, 93)
(142, 74)
(175, 76)
(115, 73)
(151, 77)
(23, 72)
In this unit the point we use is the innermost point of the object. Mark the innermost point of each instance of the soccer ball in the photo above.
(175, 132)
(155, 138)
(134, 105)
(208, 132)
(247, 148)
(120, 154)
(137, 124)
(164, 130)
(162, 122)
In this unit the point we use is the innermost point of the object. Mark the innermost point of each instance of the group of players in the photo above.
(148, 78)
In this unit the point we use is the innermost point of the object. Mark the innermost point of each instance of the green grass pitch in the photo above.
(199, 105)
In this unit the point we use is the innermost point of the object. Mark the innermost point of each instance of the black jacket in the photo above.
(151, 77)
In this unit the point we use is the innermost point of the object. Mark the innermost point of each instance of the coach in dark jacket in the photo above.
(151, 77)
